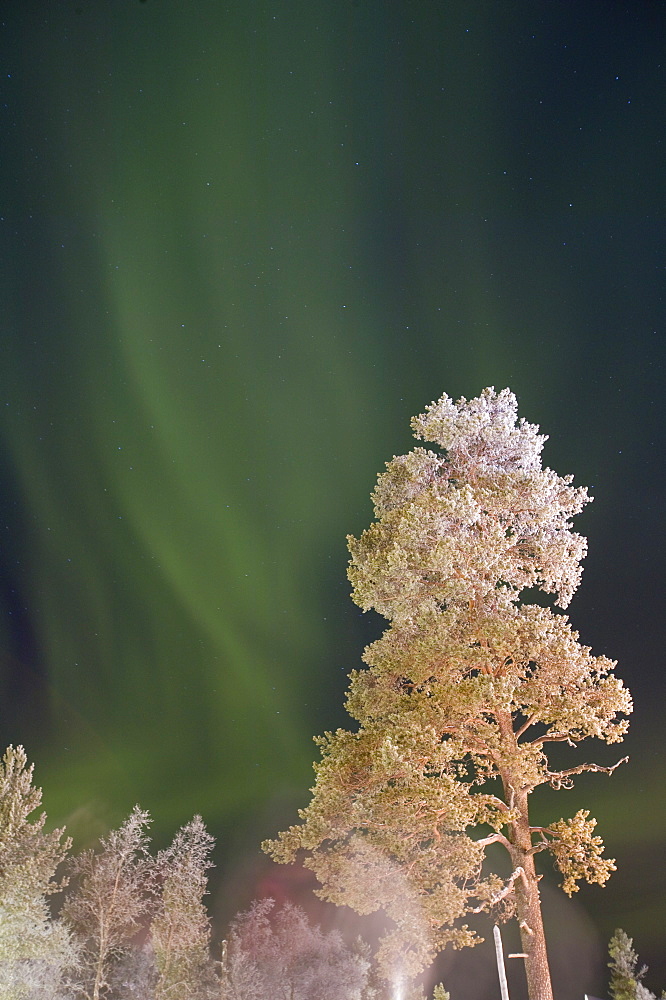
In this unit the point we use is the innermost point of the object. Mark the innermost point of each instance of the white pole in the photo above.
(500, 963)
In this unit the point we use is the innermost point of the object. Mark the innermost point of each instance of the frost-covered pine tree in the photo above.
(36, 951)
(464, 695)
(112, 891)
(179, 936)
(626, 978)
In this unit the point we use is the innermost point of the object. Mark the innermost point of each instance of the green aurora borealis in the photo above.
(242, 243)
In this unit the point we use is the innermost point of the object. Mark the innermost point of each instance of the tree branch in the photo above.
(494, 838)
(550, 738)
(526, 725)
(499, 803)
(508, 888)
(544, 843)
(562, 779)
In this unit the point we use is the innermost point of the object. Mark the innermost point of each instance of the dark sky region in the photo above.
(242, 244)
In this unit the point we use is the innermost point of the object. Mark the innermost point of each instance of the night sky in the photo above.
(241, 245)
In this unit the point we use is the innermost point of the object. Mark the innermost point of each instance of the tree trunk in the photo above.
(528, 906)
(532, 936)
(99, 967)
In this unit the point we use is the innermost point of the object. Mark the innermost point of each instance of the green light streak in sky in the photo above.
(186, 480)
(251, 241)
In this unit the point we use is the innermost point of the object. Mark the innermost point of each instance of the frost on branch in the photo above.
(480, 522)
(482, 435)
(577, 852)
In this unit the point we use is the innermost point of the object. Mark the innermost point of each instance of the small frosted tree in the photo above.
(287, 958)
(464, 695)
(180, 931)
(36, 952)
(113, 889)
(626, 978)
